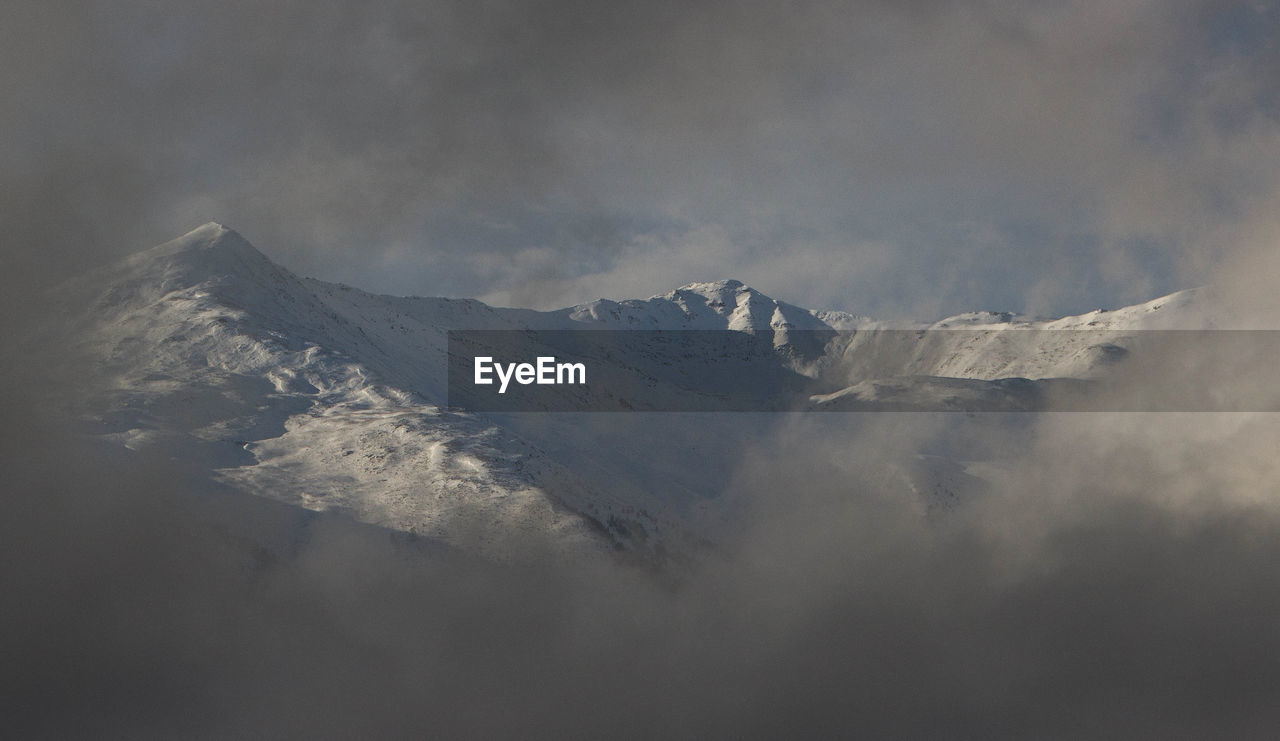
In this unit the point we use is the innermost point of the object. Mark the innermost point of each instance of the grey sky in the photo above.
(886, 158)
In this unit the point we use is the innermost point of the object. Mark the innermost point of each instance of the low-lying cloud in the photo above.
(1117, 578)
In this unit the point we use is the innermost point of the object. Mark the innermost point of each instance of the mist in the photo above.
(1116, 577)
(901, 160)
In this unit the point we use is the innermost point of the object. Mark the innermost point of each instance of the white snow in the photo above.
(329, 398)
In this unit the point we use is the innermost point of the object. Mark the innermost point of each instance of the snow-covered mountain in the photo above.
(330, 398)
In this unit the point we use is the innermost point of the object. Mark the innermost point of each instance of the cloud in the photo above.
(1117, 580)
(436, 148)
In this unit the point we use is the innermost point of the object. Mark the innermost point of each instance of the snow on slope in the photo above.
(727, 304)
(329, 398)
(317, 395)
(991, 352)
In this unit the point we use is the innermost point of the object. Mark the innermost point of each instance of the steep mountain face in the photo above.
(330, 398)
(318, 395)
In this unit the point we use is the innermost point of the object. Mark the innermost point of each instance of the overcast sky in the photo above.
(893, 158)
(886, 158)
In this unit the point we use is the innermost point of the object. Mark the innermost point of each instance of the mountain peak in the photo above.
(715, 287)
(210, 252)
(208, 245)
(211, 226)
(208, 236)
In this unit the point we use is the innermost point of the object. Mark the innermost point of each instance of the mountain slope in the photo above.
(330, 398)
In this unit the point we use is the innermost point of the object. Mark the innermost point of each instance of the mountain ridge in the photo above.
(331, 398)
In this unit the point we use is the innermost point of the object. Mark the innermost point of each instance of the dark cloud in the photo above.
(1117, 581)
(931, 157)
(1105, 590)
